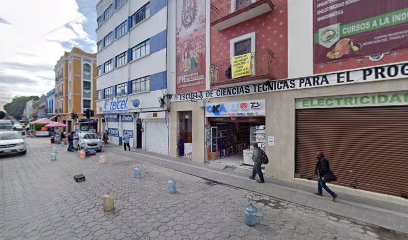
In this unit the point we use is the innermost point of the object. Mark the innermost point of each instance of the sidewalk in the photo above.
(388, 215)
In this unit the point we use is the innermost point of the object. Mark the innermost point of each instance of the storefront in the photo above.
(155, 132)
(232, 127)
(127, 125)
(364, 136)
(112, 126)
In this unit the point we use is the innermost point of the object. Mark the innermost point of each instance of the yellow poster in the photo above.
(241, 65)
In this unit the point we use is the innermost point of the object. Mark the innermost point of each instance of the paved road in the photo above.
(40, 200)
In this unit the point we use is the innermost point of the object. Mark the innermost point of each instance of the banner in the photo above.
(334, 79)
(114, 132)
(190, 43)
(345, 29)
(250, 108)
(241, 65)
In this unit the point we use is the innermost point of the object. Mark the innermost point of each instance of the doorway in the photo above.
(139, 134)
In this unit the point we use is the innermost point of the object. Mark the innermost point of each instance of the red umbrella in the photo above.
(55, 125)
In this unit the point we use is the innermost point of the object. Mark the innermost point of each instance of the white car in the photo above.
(12, 143)
(90, 141)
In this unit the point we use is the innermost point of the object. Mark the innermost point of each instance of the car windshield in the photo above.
(9, 136)
(90, 136)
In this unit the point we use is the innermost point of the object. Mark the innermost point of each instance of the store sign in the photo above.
(335, 79)
(126, 118)
(116, 105)
(152, 115)
(241, 65)
(366, 100)
(129, 133)
(114, 132)
(236, 109)
(112, 118)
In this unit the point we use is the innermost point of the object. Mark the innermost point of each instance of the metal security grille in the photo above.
(367, 147)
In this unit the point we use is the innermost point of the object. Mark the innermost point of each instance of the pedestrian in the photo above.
(105, 138)
(126, 141)
(181, 142)
(257, 158)
(324, 174)
(63, 137)
(76, 141)
(71, 142)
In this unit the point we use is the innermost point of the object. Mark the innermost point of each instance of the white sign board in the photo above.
(250, 108)
(271, 140)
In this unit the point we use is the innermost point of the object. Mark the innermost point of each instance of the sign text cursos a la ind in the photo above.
(349, 77)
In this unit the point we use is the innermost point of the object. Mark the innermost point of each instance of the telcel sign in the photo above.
(236, 109)
(116, 105)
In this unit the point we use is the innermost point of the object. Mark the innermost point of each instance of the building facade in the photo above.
(75, 89)
(132, 76)
(296, 77)
(50, 101)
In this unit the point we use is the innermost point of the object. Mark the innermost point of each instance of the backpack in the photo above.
(264, 158)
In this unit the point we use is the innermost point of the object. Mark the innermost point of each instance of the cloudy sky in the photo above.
(34, 35)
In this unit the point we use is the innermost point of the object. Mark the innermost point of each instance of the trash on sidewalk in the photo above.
(138, 173)
(82, 154)
(53, 156)
(102, 159)
(79, 178)
(108, 202)
(171, 186)
(251, 214)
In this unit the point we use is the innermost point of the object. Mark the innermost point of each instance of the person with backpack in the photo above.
(126, 141)
(325, 174)
(259, 157)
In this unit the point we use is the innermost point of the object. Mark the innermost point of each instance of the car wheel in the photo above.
(24, 153)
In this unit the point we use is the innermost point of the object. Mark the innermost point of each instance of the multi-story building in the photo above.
(132, 77)
(50, 101)
(75, 88)
(296, 77)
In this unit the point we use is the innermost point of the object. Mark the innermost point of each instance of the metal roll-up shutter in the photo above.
(367, 147)
(157, 136)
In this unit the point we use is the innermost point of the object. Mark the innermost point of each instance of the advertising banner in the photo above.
(190, 43)
(126, 118)
(345, 29)
(114, 132)
(129, 132)
(250, 108)
(241, 65)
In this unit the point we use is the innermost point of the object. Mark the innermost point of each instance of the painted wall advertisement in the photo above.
(191, 39)
(345, 29)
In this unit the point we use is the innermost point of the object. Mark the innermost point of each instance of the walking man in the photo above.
(257, 158)
(126, 141)
(71, 142)
(323, 172)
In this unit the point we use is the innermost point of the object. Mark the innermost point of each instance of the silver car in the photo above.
(12, 143)
(90, 141)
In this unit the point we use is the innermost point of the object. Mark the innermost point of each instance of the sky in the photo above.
(34, 35)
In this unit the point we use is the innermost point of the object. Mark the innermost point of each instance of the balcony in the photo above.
(262, 67)
(227, 13)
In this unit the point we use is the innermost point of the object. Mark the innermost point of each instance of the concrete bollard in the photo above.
(54, 149)
(138, 172)
(53, 156)
(108, 202)
(171, 186)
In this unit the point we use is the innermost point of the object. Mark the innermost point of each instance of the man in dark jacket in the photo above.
(257, 158)
(71, 142)
(322, 170)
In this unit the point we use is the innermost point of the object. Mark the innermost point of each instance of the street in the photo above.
(39, 199)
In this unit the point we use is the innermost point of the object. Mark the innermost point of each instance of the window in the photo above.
(119, 3)
(108, 39)
(87, 85)
(100, 94)
(108, 92)
(242, 3)
(121, 59)
(141, 14)
(86, 103)
(121, 29)
(108, 12)
(242, 47)
(87, 71)
(100, 45)
(121, 89)
(108, 66)
(100, 21)
(141, 50)
(141, 85)
(100, 72)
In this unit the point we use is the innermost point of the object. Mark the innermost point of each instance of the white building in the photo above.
(132, 78)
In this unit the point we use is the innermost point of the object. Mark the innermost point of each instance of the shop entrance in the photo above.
(185, 138)
(139, 134)
(230, 139)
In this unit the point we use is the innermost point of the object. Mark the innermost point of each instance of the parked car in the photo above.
(12, 143)
(17, 127)
(6, 125)
(90, 141)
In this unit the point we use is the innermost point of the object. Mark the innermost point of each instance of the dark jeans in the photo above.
(70, 146)
(126, 144)
(321, 184)
(258, 170)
